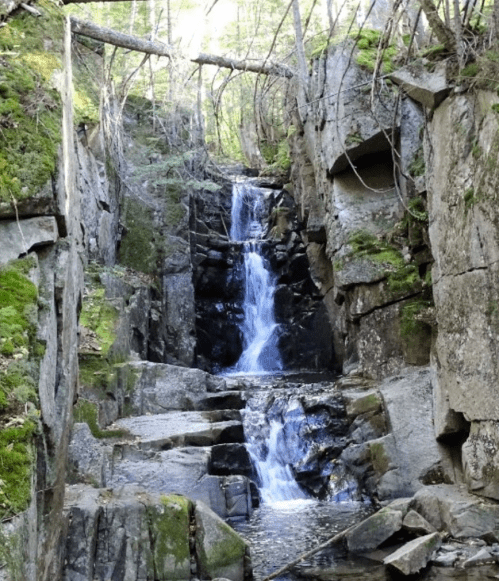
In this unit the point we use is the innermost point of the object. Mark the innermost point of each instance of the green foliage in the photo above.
(484, 71)
(85, 411)
(417, 210)
(417, 166)
(469, 199)
(434, 51)
(404, 279)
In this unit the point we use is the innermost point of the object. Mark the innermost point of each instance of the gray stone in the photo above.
(221, 552)
(362, 402)
(130, 534)
(181, 428)
(162, 388)
(414, 555)
(453, 509)
(413, 451)
(373, 531)
(428, 88)
(481, 558)
(480, 455)
(415, 523)
(19, 238)
(88, 457)
(446, 559)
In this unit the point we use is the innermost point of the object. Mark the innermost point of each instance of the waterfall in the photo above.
(271, 449)
(258, 328)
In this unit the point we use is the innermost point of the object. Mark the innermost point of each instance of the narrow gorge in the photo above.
(209, 369)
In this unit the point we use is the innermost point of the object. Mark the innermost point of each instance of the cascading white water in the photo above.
(259, 328)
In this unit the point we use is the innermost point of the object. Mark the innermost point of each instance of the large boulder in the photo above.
(453, 509)
(480, 454)
(376, 529)
(130, 534)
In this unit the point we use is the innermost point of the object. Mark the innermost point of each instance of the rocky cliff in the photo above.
(384, 244)
(395, 184)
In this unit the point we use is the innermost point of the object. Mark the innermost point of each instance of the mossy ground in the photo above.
(30, 108)
(19, 355)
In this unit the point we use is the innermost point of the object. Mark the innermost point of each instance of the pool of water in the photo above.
(280, 532)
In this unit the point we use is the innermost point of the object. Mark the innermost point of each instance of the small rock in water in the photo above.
(481, 558)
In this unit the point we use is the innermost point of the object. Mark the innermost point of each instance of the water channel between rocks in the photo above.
(289, 520)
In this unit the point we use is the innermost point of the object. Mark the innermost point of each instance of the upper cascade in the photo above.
(259, 328)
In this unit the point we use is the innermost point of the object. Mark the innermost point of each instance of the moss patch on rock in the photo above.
(30, 108)
(19, 355)
(141, 244)
(169, 528)
(100, 317)
(86, 411)
(379, 458)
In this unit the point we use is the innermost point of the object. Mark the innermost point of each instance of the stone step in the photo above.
(174, 429)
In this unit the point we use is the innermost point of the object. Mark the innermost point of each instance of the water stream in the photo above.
(289, 520)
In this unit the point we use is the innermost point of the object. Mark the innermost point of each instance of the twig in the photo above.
(324, 545)
(14, 203)
(31, 9)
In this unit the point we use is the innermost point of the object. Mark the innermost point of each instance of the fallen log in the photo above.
(116, 38)
(331, 541)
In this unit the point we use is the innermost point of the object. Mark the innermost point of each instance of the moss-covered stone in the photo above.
(30, 108)
(169, 529)
(141, 245)
(100, 316)
(379, 457)
(85, 411)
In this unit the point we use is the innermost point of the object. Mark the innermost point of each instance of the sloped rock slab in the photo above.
(182, 471)
(182, 429)
(20, 237)
(414, 555)
(373, 531)
(427, 88)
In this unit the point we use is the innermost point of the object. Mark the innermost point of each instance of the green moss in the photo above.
(365, 244)
(404, 279)
(222, 554)
(368, 42)
(140, 247)
(100, 316)
(16, 460)
(85, 411)
(368, 403)
(12, 555)
(410, 327)
(169, 527)
(379, 458)
(30, 109)
(18, 310)
(174, 209)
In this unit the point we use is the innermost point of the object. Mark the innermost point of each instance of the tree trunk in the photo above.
(442, 32)
(495, 18)
(115, 38)
(302, 93)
